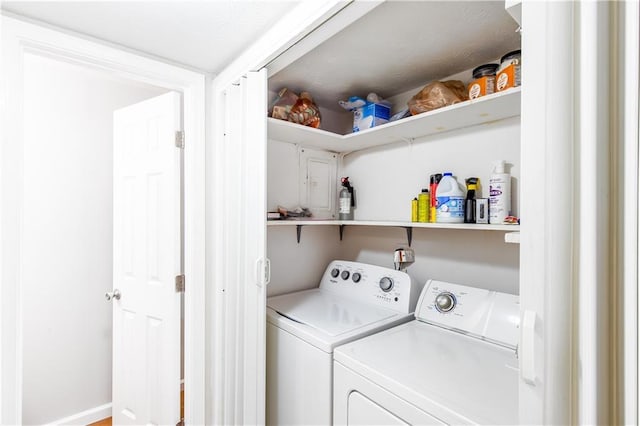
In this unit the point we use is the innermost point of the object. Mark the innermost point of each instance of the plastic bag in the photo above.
(281, 107)
(305, 111)
(438, 94)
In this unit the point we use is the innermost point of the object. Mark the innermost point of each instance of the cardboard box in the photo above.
(370, 115)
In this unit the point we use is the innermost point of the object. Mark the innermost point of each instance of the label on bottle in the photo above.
(433, 202)
(482, 86)
(499, 201)
(509, 76)
(450, 208)
(345, 205)
(423, 207)
(414, 210)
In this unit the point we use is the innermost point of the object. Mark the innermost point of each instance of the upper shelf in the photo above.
(483, 110)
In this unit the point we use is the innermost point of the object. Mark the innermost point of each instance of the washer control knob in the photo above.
(335, 272)
(445, 302)
(356, 277)
(386, 284)
(345, 275)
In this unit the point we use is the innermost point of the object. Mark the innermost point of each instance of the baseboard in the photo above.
(86, 417)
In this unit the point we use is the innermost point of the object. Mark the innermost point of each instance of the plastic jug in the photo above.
(450, 200)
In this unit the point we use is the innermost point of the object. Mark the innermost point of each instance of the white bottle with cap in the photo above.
(449, 200)
(499, 194)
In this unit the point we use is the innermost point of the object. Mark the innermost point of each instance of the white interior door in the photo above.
(146, 261)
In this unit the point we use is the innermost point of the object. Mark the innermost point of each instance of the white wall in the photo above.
(67, 252)
(294, 266)
(386, 179)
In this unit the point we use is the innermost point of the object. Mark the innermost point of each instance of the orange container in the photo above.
(484, 83)
(509, 73)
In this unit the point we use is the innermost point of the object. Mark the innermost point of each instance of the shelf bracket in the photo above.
(409, 230)
(409, 141)
(341, 231)
(298, 232)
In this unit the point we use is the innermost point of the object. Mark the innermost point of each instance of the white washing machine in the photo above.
(455, 364)
(353, 300)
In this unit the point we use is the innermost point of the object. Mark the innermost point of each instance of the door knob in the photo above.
(115, 294)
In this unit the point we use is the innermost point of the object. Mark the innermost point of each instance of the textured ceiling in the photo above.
(401, 45)
(206, 35)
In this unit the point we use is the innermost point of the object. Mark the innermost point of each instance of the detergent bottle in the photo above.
(450, 200)
(499, 194)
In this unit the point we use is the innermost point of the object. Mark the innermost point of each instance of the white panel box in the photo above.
(318, 182)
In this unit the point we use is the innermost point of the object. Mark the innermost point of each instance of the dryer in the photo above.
(455, 364)
(353, 300)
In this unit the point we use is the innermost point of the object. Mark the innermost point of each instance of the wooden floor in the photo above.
(103, 422)
(107, 421)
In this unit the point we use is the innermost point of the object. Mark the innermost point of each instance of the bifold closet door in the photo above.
(241, 268)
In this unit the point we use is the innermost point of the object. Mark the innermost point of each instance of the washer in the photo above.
(353, 300)
(455, 364)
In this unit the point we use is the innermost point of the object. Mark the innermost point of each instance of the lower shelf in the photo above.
(510, 230)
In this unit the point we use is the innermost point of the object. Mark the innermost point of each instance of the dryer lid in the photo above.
(327, 312)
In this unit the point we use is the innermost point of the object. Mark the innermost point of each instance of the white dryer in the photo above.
(455, 364)
(353, 300)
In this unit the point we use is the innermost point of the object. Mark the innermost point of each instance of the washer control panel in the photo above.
(371, 284)
(485, 314)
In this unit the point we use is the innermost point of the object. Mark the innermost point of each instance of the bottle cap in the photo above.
(425, 190)
(448, 174)
(511, 55)
(484, 70)
(498, 166)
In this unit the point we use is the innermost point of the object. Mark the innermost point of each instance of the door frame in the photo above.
(20, 37)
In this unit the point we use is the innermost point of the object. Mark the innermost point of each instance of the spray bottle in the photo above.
(434, 180)
(414, 210)
(499, 194)
(423, 206)
(470, 201)
(346, 200)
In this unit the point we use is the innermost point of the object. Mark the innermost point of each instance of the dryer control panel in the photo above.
(484, 314)
(372, 284)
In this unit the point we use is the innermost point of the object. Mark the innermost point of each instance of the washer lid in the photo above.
(327, 312)
(455, 378)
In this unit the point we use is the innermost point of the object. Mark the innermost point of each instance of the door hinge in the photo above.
(179, 139)
(180, 283)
